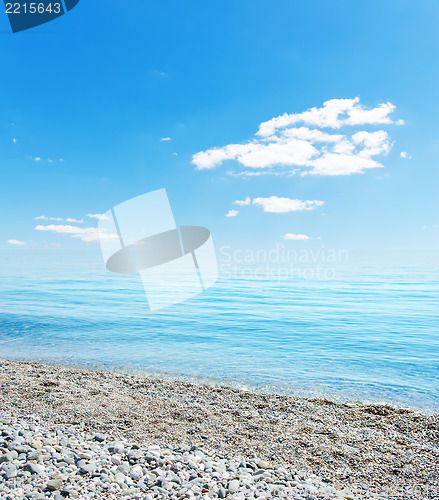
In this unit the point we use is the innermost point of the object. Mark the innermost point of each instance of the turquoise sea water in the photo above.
(363, 329)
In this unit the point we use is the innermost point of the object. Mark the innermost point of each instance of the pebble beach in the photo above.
(79, 433)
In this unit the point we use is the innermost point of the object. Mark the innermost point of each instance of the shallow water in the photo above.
(370, 332)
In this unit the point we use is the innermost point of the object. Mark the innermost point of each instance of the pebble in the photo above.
(10, 470)
(136, 473)
(34, 468)
(234, 486)
(68, 462)
(54, 484)
(262, 464)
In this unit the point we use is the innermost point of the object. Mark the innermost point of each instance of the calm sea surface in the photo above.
(357, 330)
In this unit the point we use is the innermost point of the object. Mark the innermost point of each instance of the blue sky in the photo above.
(100, 87)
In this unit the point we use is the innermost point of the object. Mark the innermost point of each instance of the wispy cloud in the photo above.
(255, 173)
(165, 139)
(296, 237)
(83, 233)
(98, 216)
(232, 213)
(49, 160)
(158, 74)
(404, 154)
(279, 205)
(17, 243)
(295, 142)
(78, 221)
(43, 217)
(243, 203)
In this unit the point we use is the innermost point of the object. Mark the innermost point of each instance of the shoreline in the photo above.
(233, 384)
(369, 448)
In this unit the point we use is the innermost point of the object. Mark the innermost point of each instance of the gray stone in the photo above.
(120, 478)
(21, 448)
(116, 447)
(87, 468)
(10, 470)
(33, 455)
(67, 459)
(34, 468)
(54, 484)
(135, 455)
(233, 486)
(6, 457)
(136, 473)
(222, 492)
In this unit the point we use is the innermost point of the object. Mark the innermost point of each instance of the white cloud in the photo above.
(14, 140)
(296, 237)
(258, 155)
(43, 217)
(404, 154)
(333, 114)
(78, 221)
(37, 158)
(293, 142)
(98, 216)
(232, 213)
(246, 173)
(84, 233)
(165, 139)
(338, 164)
(374, 143)
(242, 203)
(277, 205)
(174, 154)
(17, 243)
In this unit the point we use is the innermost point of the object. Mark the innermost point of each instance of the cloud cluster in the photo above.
(70, 219)
(83, 233)
(297, 143)
(38, 158)
(43, 217)
(277, 205)
(77, 221)
(98, 216)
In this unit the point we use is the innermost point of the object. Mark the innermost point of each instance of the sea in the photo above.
(360, 327)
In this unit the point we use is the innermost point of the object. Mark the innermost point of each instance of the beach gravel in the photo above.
(78, 433)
